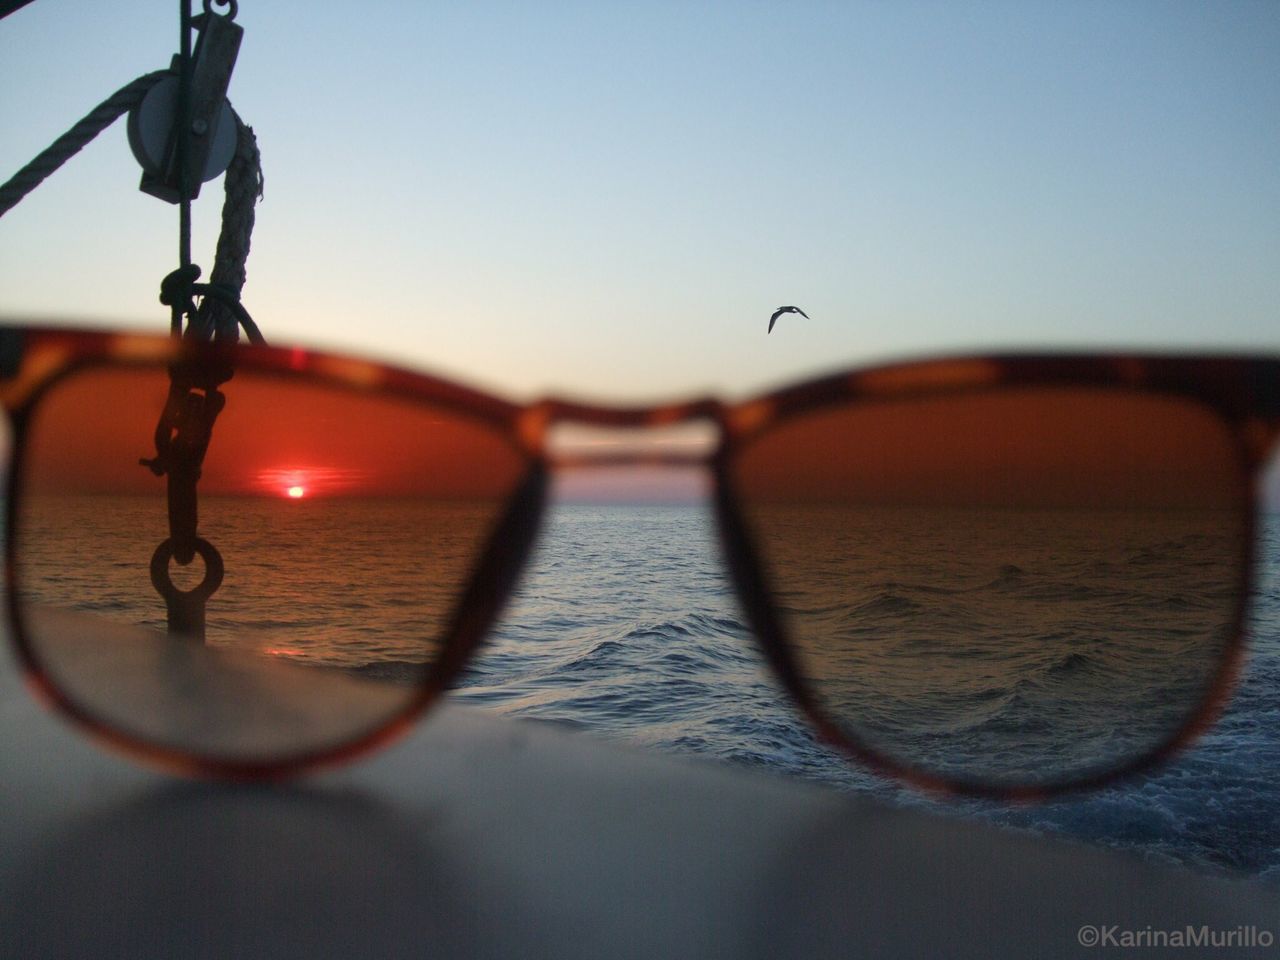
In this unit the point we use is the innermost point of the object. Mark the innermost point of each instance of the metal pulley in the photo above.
(210, 143)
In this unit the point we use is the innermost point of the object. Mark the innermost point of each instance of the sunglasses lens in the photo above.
(345, 526)
(1017, 588)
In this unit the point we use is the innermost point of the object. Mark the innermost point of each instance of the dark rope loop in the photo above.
(229, 299)
(176, 289)
(176, 293)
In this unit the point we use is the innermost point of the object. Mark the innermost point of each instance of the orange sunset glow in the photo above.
(1028, 447)
(275, 437)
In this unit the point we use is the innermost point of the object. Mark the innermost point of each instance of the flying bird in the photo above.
(780, 311)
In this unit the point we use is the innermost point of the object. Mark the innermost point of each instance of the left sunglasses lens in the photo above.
(347, 525)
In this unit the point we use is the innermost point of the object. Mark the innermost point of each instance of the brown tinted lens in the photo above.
(1022, 587)
(347, 525)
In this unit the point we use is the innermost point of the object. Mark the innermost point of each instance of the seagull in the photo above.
(780, 311)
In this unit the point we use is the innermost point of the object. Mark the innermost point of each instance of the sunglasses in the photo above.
(1005, 576)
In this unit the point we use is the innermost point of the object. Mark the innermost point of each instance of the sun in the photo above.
(297, 493)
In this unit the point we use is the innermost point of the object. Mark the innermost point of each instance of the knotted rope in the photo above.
(220, 312)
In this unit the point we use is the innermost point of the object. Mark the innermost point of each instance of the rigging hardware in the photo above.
(190, 114)
(179, 147)
(186, 423)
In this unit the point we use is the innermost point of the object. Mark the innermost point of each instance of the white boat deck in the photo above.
(483, 837)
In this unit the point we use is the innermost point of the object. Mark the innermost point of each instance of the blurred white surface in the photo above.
(484, 837)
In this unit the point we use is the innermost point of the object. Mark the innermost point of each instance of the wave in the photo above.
(685, 646)
(1070, 665)
(888, 603)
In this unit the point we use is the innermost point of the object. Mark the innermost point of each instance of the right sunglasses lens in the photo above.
(1017, 588)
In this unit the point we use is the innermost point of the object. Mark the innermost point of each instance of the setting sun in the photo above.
(296, 492)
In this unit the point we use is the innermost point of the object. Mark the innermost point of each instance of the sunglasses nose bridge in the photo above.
(688, 436)
(574, 446)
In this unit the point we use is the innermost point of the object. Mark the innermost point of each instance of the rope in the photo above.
(75, 139)
(220, 312)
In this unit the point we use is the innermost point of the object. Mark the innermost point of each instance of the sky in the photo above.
(608, 200)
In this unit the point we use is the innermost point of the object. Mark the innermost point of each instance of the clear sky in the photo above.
(609, 199)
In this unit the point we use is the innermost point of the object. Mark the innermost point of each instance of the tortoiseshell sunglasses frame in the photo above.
(1242, 392)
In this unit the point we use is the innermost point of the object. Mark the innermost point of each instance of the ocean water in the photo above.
(958, 646)
(627, 625)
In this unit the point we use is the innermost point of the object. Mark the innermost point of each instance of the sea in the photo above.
(626, 626)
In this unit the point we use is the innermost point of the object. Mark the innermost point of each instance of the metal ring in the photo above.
(230, 14)
(213, 572)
